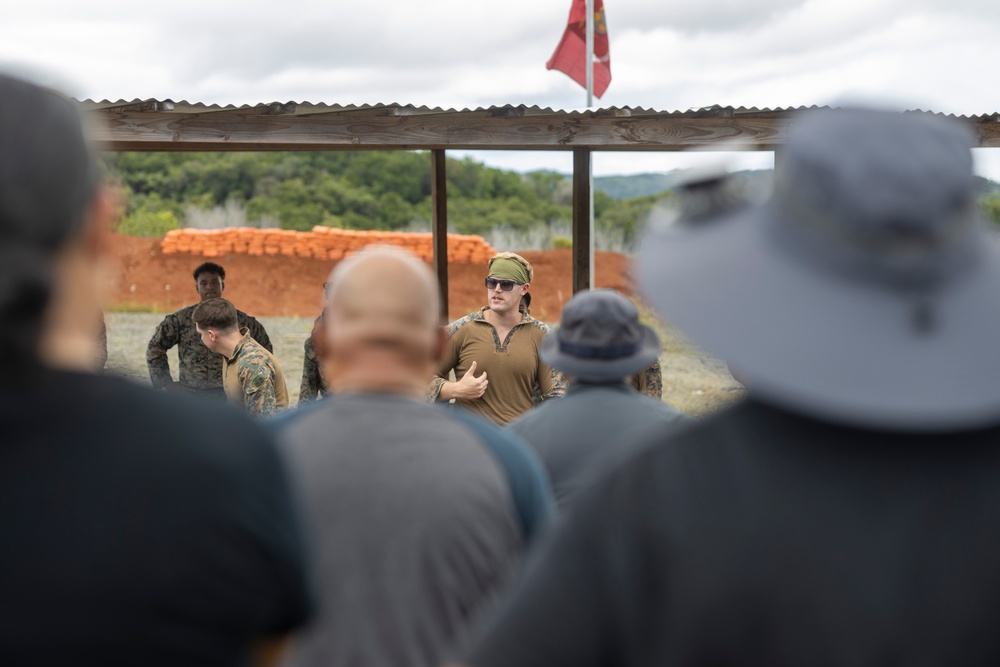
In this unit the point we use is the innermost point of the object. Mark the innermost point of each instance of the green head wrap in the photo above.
(509, 269)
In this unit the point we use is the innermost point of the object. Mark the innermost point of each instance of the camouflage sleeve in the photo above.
(311, 385)
(258, 333)
(448, 361)
(102, 345)
(651, 381)
(259, 397)
(167, 335)
(550, 382)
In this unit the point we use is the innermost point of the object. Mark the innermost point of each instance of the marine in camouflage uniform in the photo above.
(200, 369)
(253, 379)
(650, 381)
(313, 386)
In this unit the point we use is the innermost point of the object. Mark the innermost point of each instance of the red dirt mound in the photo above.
(279, 285)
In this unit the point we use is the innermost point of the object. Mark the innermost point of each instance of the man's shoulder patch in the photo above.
(258, 379)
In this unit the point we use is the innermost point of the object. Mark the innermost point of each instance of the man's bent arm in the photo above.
(259, 397)
(311, 385)
(551, 383)
(166, 336)
(445, 366)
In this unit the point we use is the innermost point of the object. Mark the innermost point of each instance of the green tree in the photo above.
(991, 207)
(148, 223)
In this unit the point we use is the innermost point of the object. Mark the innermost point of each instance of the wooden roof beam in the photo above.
(260, 128)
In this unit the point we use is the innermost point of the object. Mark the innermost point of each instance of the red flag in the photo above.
(571, 54)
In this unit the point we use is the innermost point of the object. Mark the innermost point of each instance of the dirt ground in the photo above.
(284, 294)
(692, 381)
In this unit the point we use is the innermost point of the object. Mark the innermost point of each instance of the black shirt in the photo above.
(764, 538)
(139, 528)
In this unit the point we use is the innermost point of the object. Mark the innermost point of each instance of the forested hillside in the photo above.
(382, 190)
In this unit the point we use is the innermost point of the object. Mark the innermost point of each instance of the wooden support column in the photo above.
(581, 219)
(439, 233)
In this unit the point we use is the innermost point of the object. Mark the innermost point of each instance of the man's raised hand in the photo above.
(470, 386)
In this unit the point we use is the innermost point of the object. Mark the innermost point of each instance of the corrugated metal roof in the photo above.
(396, 109)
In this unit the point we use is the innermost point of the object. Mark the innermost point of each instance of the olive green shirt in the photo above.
(252, 378)
(518, 379)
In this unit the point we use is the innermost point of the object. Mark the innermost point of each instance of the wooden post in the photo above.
(581, 219)
(439, 233)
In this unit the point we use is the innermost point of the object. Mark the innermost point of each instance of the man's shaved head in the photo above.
(382, 323)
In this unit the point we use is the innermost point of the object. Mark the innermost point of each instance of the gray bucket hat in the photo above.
(600, 338)
(866, 291)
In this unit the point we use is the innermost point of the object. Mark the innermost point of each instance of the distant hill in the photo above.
(643, 185)
(987, 188)
(636, 185)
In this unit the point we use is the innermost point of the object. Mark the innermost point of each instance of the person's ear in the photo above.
(524, 288)
(222, 285)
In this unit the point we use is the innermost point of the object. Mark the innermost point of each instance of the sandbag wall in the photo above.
(329, 243)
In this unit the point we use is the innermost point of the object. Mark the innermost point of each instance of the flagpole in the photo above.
(590, 103)
(590, 53)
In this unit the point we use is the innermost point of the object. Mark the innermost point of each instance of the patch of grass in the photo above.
(694, 381)
(136, 308)
(672, 340)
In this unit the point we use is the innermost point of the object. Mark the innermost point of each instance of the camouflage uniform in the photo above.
(313, 385)
(252, 378)
(650, 381)
(102, 345)
(200, 368)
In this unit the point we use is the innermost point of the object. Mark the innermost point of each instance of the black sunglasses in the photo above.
(505, 285)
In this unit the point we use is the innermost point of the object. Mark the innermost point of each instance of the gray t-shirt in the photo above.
(589, 430)
(413, 528)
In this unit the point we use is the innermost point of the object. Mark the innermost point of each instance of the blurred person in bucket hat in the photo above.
(598, 345)
(138, 528)
(846, 512)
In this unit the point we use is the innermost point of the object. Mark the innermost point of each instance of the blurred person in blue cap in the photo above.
(136, 528)
(600, 342)
(847, 512)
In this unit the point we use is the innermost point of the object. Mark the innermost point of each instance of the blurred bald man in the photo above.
(418, 515)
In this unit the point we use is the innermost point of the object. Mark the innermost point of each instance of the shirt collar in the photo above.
(239, 346)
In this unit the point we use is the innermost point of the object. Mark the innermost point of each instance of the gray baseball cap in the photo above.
(600, 338)
(866, 291)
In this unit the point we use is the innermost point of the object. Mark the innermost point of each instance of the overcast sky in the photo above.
(927, 54)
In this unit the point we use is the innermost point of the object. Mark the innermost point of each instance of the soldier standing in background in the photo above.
(251, 376)
(313, 386)
(200, 369)
(650, 381)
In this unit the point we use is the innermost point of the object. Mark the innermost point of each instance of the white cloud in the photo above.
(458, 53)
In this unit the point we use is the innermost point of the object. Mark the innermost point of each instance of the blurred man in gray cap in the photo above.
(599, 343)
(848, 512)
